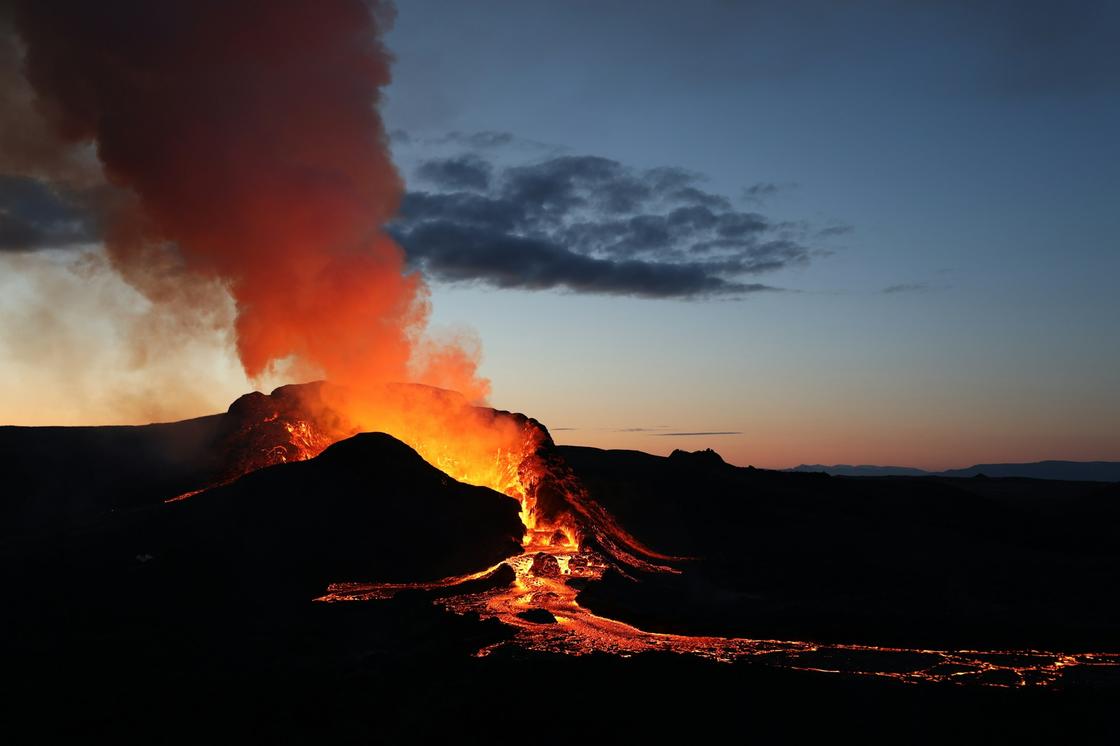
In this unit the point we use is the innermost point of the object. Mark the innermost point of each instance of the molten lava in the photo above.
(507, 452)
(569, 539)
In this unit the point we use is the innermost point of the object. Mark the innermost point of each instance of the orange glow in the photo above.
(475, 445)
(568, 536)
(577, 631)
(472, 444)
(258, 166)
(506, 452)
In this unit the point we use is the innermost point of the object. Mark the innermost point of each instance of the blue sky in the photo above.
(972, 152)
(861, 232)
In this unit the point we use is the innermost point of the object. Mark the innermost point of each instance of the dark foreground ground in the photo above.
(126, 620)
(935, 562)
(401, 672)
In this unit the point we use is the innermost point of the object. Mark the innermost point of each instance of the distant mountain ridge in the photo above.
(1074, 471)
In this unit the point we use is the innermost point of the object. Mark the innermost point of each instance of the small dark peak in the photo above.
(538, 616)
(366, 454)
(980, 475)
(706, 457)
(364, 445)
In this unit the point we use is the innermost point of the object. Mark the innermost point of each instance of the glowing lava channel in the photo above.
(576, 543)
(541, 582)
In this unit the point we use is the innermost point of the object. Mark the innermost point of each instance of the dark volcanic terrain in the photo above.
(1070, 471)
(929, 562)
(132, 619)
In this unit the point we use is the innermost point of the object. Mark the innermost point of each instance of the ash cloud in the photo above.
(588, 224)
(246, 147)
(79, 346)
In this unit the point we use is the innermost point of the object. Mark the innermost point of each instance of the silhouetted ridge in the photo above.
(906, 560)
(1074, 471)
(367, 508)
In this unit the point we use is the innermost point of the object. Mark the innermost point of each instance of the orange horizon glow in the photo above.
(757, 444)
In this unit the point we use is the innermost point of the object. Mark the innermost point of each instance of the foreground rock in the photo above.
(921, 562)
(367, 508)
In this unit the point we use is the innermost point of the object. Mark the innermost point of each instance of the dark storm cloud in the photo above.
(588, 224)
(34, 216)
(694, 196)
(460, 208)
(464, 172)
(456, 252)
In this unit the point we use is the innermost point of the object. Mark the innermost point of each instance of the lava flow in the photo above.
(507, 452)
(569, 540)
(541, 605)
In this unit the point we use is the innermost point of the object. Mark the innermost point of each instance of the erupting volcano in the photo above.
(570, 540)
(242, 148)
(507, 452)
(350, 541)
(288, 216)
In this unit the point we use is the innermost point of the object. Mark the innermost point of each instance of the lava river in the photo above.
(569, 541)
(541, 605)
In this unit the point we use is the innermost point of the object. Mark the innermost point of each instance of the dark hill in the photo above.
(63, 477)
(919, 561)
(1093, 471)
(1083, 471)
(367, 508)
(191, 622)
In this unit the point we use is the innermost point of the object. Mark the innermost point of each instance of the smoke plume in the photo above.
(243, 146)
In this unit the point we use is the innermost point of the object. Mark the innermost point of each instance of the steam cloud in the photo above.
(240, 144)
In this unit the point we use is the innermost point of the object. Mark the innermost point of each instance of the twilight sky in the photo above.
(868, 232)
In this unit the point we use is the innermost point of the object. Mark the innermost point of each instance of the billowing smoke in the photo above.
(242, 145)
(241, 151)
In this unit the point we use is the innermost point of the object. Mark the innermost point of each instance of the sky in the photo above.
(794, 232)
